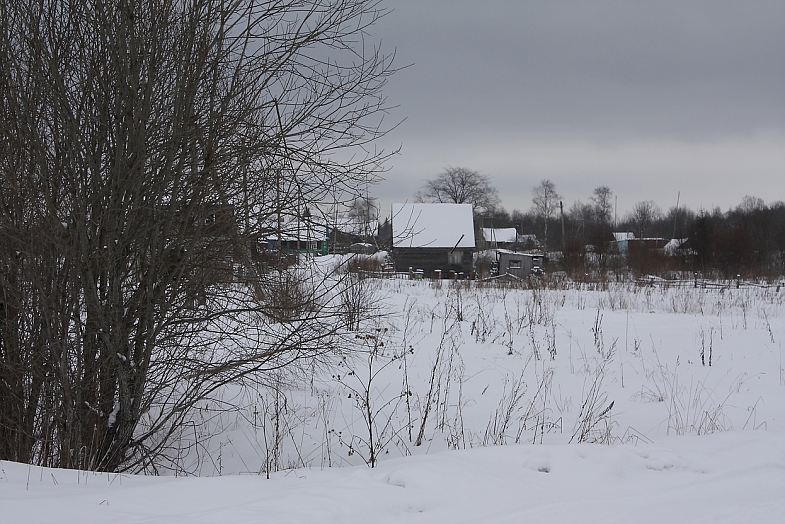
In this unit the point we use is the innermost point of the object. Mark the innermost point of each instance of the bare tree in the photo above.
(644, 214)
(602, 197)
(751, 204)
(459, 185)
(580, 213)
(681, 220)
(365, 210)
(546, 201)
(144, 147)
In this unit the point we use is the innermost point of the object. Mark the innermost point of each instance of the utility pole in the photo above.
(563, 236)
(615, 209)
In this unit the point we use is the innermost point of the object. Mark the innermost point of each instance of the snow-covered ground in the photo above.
(625, 404)
(729, 477)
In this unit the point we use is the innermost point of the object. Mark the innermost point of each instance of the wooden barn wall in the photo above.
(429, 260)
(527, 263)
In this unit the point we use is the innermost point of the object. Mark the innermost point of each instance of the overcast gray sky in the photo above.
(651, 98)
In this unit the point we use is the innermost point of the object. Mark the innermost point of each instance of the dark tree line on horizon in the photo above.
(746, 240)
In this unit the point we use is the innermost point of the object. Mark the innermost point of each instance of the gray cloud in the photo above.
(569, 83)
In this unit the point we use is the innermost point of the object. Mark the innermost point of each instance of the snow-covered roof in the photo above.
(433, 225)
(673, 245)
(623, 235)
(507, 234)
(516, 253)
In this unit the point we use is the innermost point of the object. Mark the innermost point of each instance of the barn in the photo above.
(434, 238)
(518, 264)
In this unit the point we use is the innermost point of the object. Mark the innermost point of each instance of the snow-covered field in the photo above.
(482, 403)
(730, 477)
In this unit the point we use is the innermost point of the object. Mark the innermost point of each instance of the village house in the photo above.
(433, 239)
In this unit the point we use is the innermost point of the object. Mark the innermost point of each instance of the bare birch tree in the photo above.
(545, 200)
(602, 197)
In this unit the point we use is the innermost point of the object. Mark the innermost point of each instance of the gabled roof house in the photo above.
(431, 237)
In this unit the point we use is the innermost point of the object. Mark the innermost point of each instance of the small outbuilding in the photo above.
(518, 264)
(434, 238)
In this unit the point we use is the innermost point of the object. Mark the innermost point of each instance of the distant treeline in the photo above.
(748, 240)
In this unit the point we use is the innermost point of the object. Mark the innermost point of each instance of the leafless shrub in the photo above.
(364, 263)
(269, 416)
(359, 302)
(483, 265)
(144, 148)
(509, 405)
(379, 414)
(538, 416)
(285, 296)
(594, 422)
(694, 408)
(483, 324)
(606, 353)
(438, 383)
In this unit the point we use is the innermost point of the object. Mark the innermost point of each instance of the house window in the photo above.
(454, 258)
(514, 264)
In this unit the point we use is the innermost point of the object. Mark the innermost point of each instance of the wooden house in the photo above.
(434, 238)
